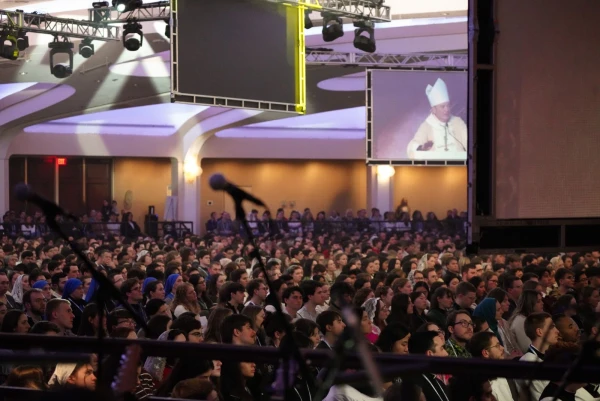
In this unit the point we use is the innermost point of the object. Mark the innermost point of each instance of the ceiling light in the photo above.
(10, 48)
(133, 38)
(307, 21)
(86, 48)
(126, 5)
(61, 70)
(364, 36)
(333, 28)
(168, 29)
(22, 41)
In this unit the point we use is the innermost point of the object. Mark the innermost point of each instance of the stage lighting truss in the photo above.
(145, 12)
(373, 10)
(133, 37)
(411, 61)
(44, 23)
(364, 36)
(333, 27)
(355, 9)
(57, 46)
(10, 48)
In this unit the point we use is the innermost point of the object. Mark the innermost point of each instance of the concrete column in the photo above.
(188, 194)
(380, 188)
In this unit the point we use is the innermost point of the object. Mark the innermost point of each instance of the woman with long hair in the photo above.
(90, 322)
(309, 329)
(529, 302)
(185, 300)
(203, 300)
(234, 381)
(15, 321)
(480, 291)
(394, 338)
(418, 317)
(509, 341)
(213, 286)
(257, 315)
(213, 326)
(402, 308)
(31, 377)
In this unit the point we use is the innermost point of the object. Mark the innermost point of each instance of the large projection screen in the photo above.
(547, 137)
(238, 53)
(417, 116)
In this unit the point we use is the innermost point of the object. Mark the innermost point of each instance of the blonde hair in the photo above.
(181, 299)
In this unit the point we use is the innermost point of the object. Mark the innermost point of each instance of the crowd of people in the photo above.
(414, 291)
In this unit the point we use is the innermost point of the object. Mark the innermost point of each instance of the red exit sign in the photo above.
(61, 161)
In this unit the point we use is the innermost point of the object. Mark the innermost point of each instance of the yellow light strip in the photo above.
(300, 64)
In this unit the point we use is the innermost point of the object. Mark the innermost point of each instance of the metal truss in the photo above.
(402, 61)
(373, 10)
(147, 12)
(355, 9)
(44, 23)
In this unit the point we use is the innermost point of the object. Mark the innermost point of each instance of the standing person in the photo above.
(441, 131)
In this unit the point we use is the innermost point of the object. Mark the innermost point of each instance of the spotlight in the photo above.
(365, 42)
(65, 47)
(307, 21)
(100, 15)
(130, 41)
(126, 5)
(10, 48)
(332, 28)
(86, 48)
(22, 41)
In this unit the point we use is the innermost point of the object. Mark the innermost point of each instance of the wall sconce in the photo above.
(386, 171)
(191, 170)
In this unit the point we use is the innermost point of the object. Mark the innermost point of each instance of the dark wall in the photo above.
(76, 193)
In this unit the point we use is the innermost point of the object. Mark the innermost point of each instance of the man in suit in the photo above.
(429, 343)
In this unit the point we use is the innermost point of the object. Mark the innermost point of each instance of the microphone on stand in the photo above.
(25, 193)
(219, 183)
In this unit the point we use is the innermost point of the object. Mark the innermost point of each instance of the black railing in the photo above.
(588, 371)
(447, 226)
(79, 229)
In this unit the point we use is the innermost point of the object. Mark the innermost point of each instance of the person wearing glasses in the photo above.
(486, 345)
(460, 326)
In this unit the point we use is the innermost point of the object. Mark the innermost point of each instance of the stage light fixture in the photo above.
(61, 70)
(86, 48)
(126, 5)
(307, 21)
(333, 28)
(22, 40)
(101, 15)
(364, 36)
(168, 29)
(131, 31)
(10, 48)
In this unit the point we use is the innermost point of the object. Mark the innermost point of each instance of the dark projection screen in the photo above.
(241, 50)
(547, 109)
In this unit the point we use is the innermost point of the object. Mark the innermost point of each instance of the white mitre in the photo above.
(438, 93)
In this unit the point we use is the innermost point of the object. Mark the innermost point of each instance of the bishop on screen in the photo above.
(441, 131)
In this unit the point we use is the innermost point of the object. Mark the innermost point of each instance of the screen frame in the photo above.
(299, 107)
(370, 160)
